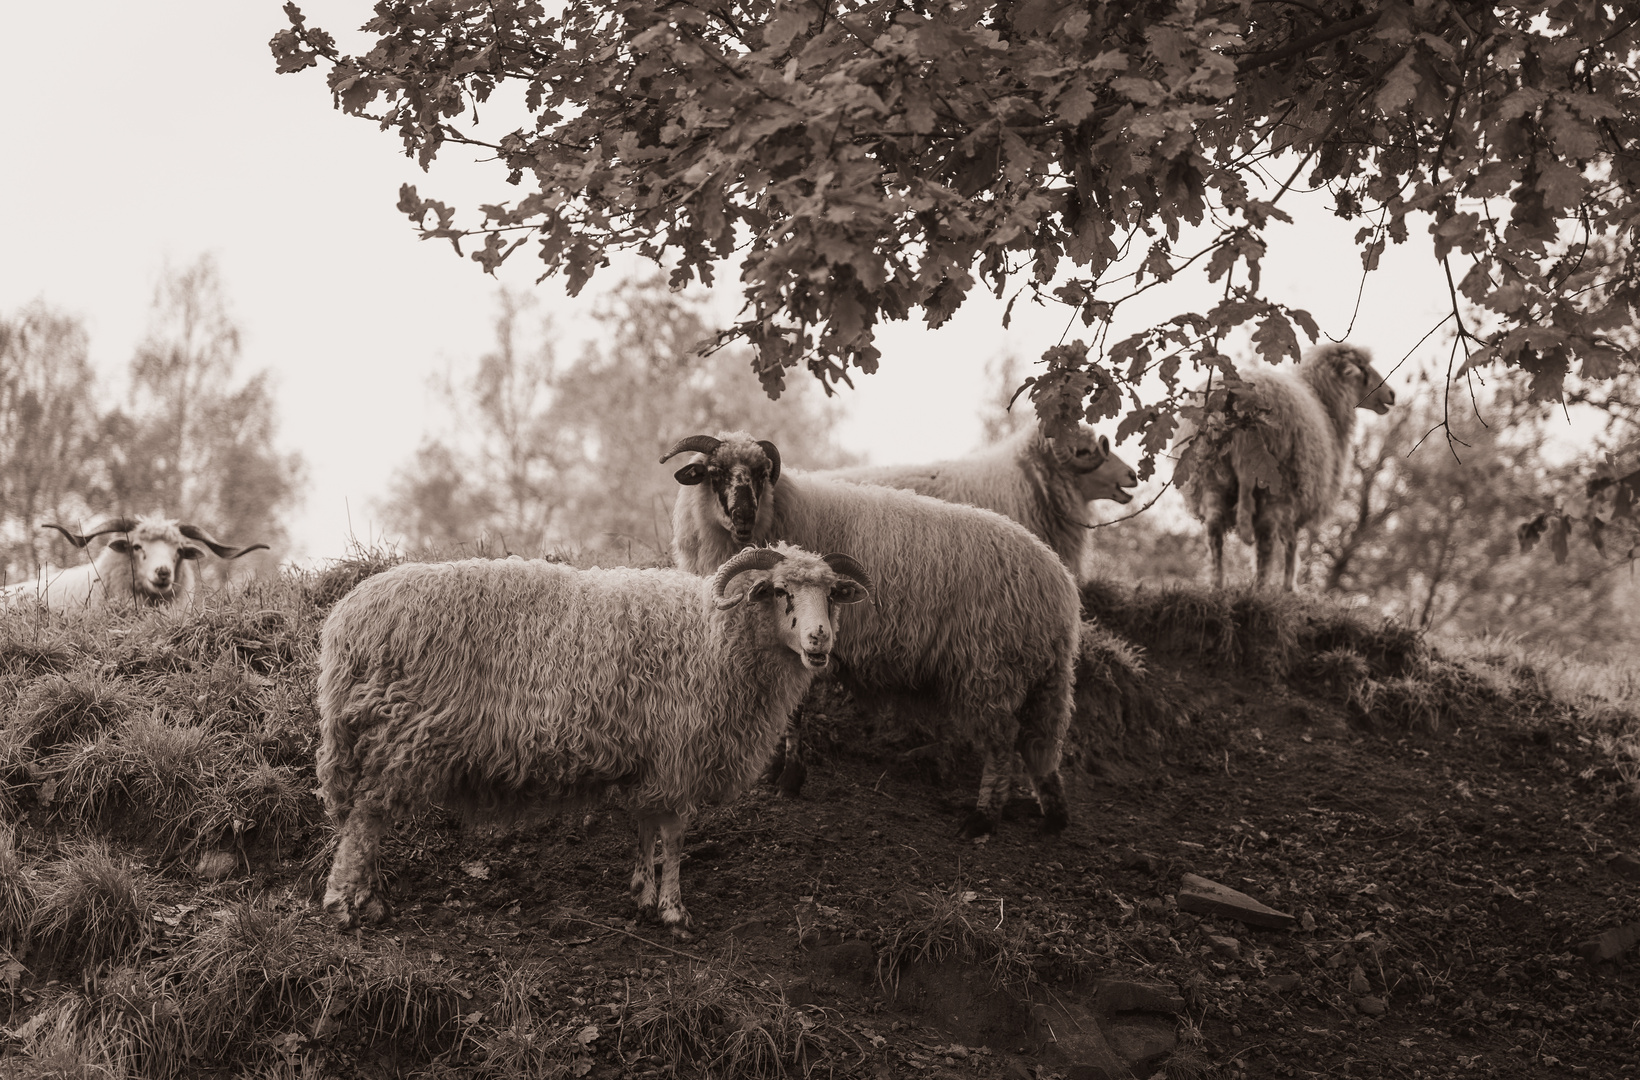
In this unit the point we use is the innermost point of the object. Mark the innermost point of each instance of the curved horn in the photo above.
(774, 456)
(845, 566)
(113, 525)
(223, 551)
(700, 444)
(749, 559)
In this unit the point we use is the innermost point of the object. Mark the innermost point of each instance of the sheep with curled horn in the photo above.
(1282, 468)
(149, 562)
(494, 683)
(971, 609)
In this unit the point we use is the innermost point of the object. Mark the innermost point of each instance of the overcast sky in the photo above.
(142, 134)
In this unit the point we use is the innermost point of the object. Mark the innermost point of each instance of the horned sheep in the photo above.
(972, 610)
(149, 562)
(489, 684)
(1302, 425)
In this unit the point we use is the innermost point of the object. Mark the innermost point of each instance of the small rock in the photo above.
(1306, 921)
(1625, 865)
(1069, 1033)
(1141, 1043)
(1367, 1005)
(216, 865)
(1225, 946)
(748, 929)
(1129, 859)
(1132, 995)
(1612, 944)
(1359, 986)
(1279, 984)
(1205, 897)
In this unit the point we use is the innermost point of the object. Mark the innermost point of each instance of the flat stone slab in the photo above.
(1069, 1033)
(1612, 944)
(1203, 897)
(1625, 866)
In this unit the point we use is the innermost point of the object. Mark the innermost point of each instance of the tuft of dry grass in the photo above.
(17, 899)
(54, 709)
(92, 905)
(335, 581)
(724, 1024)
(960, 925)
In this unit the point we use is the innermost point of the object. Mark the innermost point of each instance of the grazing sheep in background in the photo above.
(1043, 483)
(971, 609)
(497, 683)
(150, 562)
(1303, 434)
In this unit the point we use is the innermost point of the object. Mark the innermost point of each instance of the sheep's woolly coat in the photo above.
(1304, 433)
(1021, 478)
(970, 608)
(491, 682)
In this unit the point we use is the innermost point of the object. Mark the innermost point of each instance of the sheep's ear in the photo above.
(188, 551)
(763, 590)
(691, 474)
(120, 544)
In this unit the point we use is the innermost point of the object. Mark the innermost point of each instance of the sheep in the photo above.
(151, 562)
(1043, 483)
(1299, 436)
(972, 610)
(508, 683)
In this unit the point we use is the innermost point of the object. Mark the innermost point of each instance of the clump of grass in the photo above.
(92, 905)
(255, 973)
(1389, 649)
(521, 1041)
(958, 925)
(1250, 631)
(56, 708)
(1121, 708)
(235, 633)
(723, 1023)
(85, 778)
(338, 579)
(1405, 704)
(17, 900)
(259, 797)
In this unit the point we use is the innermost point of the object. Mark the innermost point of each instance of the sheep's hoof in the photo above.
(978, 823)
(347, 915)
(775, 770)
(1054, 821)
(678, 921)
(792, 777)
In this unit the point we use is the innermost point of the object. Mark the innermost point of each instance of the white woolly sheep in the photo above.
(490, 684)
(150, 563)
(1043, 483)
(1300, 429)
(972, 610)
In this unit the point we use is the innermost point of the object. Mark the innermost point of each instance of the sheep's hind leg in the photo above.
(786, 770)
(643, 875)
(672, 911)
(353, 892)
(994, 781)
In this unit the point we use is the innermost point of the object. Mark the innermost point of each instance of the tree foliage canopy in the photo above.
(867, 159)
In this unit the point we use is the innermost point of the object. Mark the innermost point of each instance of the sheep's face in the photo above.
(741, 474)
(157, 556)
(1368, 387)
(796, 597)
(803, 607)
(1109, 481)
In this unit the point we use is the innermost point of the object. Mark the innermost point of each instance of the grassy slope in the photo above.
(161, 849)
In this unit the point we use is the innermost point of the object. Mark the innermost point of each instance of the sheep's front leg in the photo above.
(672, 911)
(643, 875)
(353, 891)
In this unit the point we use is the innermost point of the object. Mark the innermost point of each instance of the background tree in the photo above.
(588, 436)
(865, 160)
(499, 474)
(48, 433)
(1004, 413)
(194, 441)
(1426, 532)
